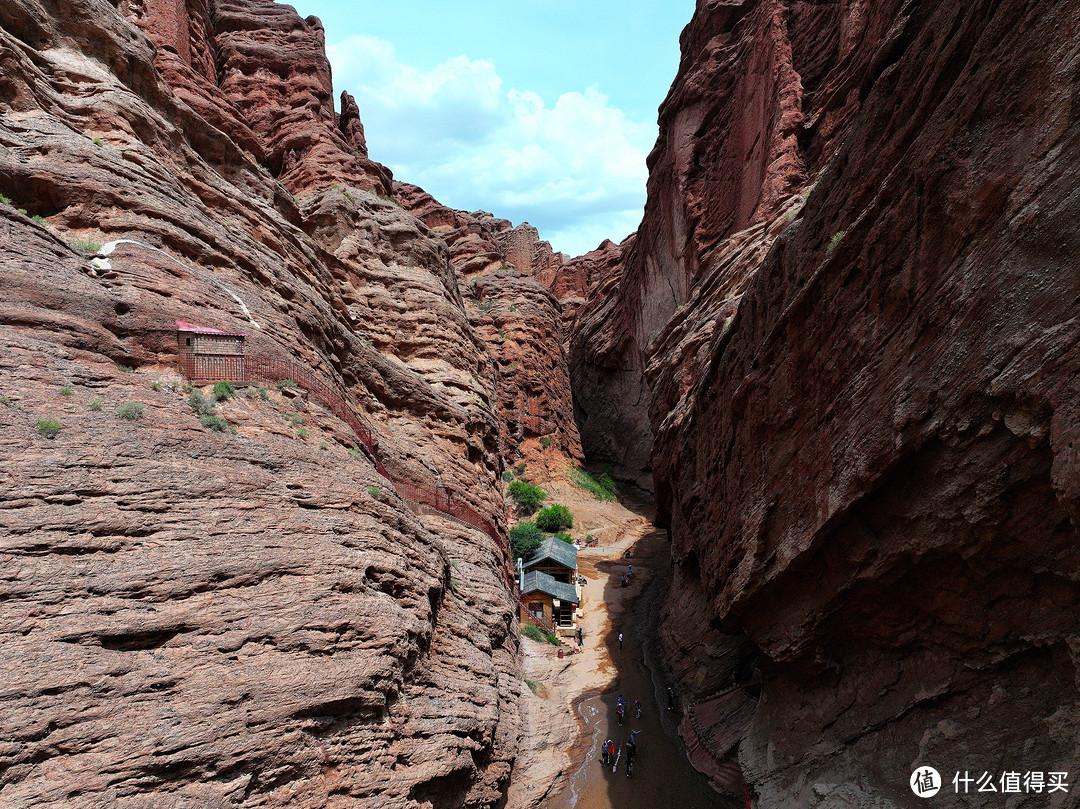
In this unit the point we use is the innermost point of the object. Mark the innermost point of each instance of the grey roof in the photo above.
(538, 581)
(557, 551)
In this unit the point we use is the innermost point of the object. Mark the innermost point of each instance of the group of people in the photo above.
(609, 755)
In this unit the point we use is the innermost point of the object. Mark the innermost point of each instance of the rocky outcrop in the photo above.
(848, 315)
(248, 618)
(517, 317)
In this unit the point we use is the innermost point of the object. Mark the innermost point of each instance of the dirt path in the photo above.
(572, 710)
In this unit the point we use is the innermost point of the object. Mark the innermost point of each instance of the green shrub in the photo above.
(547, 442)
(87, 248)
(155, 384)
(519, 470)
(507, 476)
(295, 419)
(94, 405)
(38, 218)
(525, 538)
(565, 537)
(534, 685)
(223, 390)
(67, 391)
(264, 394)
(301, 433)
(130, 411)
(126, 369)
(324, 446)
(527, 496)
(98, 142)
(554, 518)
(486, 306)
(602, 487)
(355, 453)
(6, 200)
(6, 401)
(48, 428)
(533, 632)
(215, 423)
(200, 404)
(375, 492)
(23, 211)
(287, 384)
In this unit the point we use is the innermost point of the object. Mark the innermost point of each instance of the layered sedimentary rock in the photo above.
(513, 311)
(200, 618)
(850, 316)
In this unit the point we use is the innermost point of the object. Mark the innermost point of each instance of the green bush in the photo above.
(287, 384)
(547, 442)
(98, 142)
(565, 537)
(48, 428)
(295, 419)
(527, 496)
(554, 518)
(155, 384)
(507, 476)
(67, 391)
(215, 423)
(533, 632)
(375, 492)
(301, 433)
(223, 390)
(602, 487)
(834, 242)
(130, 411)
(264, 394)
(6, 401)
(126, 369)
(519, 470)
(94, 405)
(200, 404)
(525, 538)
(6, 200)
(534, 685)
(87, 248)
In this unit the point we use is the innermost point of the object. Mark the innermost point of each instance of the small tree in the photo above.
(554, 518)
(527, 496)
(525, 538)
(223, 390)
(130, 411)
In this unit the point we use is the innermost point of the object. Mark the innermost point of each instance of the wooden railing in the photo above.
(260, 367)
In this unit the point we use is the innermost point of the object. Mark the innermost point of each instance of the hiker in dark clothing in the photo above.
(580, 637)
(620, 640)
(605, 753)
(670, 699)
(631, 751)
(637, 709)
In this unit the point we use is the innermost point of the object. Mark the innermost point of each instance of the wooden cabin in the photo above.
(209, 355)
(550, 595)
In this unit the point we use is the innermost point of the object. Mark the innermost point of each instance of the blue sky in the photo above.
(536, 111)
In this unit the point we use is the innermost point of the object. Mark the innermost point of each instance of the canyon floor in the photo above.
(570, 710)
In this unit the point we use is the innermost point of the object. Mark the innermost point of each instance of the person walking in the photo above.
(670, 699)
(605, 754)
(637, 709)
(611, 753)
(631, 751)
(620, 640)
(580, 637)
(620, 708)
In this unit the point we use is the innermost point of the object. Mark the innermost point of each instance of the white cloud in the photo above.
(575, 169)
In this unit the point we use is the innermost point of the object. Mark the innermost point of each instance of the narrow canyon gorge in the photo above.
(835, 375)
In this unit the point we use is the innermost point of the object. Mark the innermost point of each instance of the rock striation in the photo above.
(249, 617)
(847, 324)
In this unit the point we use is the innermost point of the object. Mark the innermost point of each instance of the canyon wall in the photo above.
(848, 326)
(239, 612)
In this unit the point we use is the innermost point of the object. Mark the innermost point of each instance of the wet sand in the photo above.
(662, 777)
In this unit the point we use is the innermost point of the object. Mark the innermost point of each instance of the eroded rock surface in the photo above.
(200, 618)
(849, 316)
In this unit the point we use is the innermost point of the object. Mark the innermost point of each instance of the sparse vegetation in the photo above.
(602, 487)
(565, 537)
(507, 476)
(527, 496)
(534, 685)
(38, 218)
(200, 404)
(130, 411)
(5, 400)
(86, 247)
(525, 538)
(834, 242)
(223, 390)
(215, 423)
(534, 632)
(98, 142)
(155, 384)
(355, 453)
(94, 406)
(301, 433)
(6, 200)
(125, 369)
(49, 428)
(554, 518)
(375, 492)
(264, 394)
(547, 441)
(287, 384)
(519, 470)
(67, 391)
(295, 419)
(486, 306)
(324, 446)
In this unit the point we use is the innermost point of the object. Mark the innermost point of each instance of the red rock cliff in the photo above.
(252, 616)
(848, 324)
